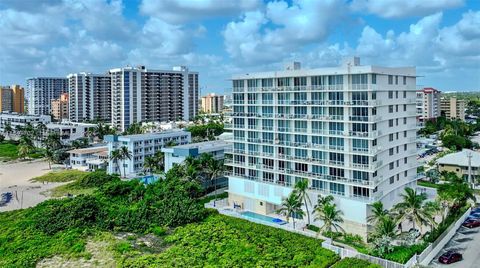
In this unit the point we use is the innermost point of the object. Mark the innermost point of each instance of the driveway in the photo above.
(467, 242)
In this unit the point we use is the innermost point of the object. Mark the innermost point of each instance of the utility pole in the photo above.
(470, 180)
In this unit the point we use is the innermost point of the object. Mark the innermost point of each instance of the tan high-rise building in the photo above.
(453, 108)
(212, 103)
(11, 99)
(18, 99)
(60, 107)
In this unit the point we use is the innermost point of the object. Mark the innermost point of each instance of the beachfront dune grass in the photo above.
(61, 176)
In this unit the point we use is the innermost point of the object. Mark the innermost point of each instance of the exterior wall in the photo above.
(90, 97)
(212, 103)
(350, 130)
(40, 92)
(18, 102)
(141, 146)
(70, 131)
(6, 96)
(16, 120)
(60, 110)
(144, 95)
(453, 108)
(460, 171)
(428, 103)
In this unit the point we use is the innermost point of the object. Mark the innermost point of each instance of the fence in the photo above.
(434, 248)
(344, 253)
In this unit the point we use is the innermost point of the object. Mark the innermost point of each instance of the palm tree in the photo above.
(412, 208)
(331, 218)
(302, 187)
(160, 158)
(24, 149)
(191, 173)
(291, 206)
(191, 161)
(115, 157)
(50, 156)
(378, 213)
(384, 233)
(215, 169)
(434, 208)
(125, 154)
(8, 129)
(150, 164)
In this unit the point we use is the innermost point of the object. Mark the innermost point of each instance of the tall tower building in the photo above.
(42, 90)
(89, 97)
(6, 97)
(60, 109)
(212, 103)
(349, 130)
(18, 99)
(428, 103)
(144, 95)
(453, 108)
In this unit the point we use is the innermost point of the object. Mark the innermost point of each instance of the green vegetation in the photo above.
(427, 184)
(9, 150)
(454, 133)
(61, 176)
(230, 242)
(206, 131)
(354, 263)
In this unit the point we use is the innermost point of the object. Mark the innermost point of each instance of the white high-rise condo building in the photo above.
(41, 91)
(90, 97)
(428, 103)
(143, 95)
(349, 130)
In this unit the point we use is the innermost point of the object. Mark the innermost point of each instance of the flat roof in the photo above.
(203, 145)
(152, 135)
(339, 70)
(461, 159)
(89, 150)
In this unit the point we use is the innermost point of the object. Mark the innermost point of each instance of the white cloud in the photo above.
(403, 8)
(280, 30)
(180, 11)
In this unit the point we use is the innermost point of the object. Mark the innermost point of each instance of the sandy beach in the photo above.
(15, 178)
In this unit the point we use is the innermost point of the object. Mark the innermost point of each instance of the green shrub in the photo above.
(402, 254)
(122, 247)
(159, 231)
(314, 228)
(354, 263)
(96, 179)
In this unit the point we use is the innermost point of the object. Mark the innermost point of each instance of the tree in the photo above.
(291, 207)
(215, 169)
(191, 173)
(150, 164)
(301, 187)
(53, 141)
(50, 156)
(435, 209)
(8, 129)
(115, 157)
(135, 128)
(125, 154)
(412, 208)
(378, 213)
(455, 193)
(330, 216)
(160, 158)
(24, 149)
(384, 233)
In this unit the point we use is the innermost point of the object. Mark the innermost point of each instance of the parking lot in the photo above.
(467, 242)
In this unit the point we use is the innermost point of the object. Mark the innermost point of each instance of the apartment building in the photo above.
(144, 95)
(86, 159)
(212, 103)
(60, 108)
(17, 121)
(70, 131)
(12, 99)
(90, 97)
(141, 146)
(428, 103)
(41, 91)
(349, 130)
(453, 108)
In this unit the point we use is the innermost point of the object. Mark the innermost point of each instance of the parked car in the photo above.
(472, 223)
(474, 216)
(475, 210)
(450, 257)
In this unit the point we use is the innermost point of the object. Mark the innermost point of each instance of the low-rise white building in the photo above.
(141, 146)
(69, 131)
(178, 154)
(87, 159)
(20, 120)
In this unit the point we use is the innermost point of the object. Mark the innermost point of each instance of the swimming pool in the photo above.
(148, 179)
(261, 217)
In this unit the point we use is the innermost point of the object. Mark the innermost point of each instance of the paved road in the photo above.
(467, 242)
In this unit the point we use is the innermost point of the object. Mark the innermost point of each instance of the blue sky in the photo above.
(219, 38)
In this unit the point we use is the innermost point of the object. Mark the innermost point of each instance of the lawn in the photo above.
(61, 176)
(9, 151)
(427, 184)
